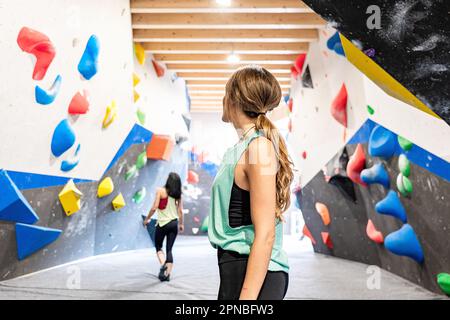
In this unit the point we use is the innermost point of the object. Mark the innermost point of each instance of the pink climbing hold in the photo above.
(373, 233)
(304, 155)
(339, 106)
(299, 62)
(327, 240)
(290, 125)
(159, 69)
(308, 234)
(39, 45)
(79, 103)
(356, 164)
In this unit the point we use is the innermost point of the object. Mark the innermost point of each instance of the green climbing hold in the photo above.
(141, 160)
(370, 110)
(131, 173)
(404, 143)
(141, 116)
(403, 165)
(139, 195)
(204, 226)
(404, 185)
(443, 280)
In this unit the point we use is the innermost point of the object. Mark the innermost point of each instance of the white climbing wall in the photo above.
(317, 133)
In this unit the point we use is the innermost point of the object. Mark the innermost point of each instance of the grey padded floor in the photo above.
(132, 275)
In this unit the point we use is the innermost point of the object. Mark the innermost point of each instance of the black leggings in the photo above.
(232, 269)
(170, 231)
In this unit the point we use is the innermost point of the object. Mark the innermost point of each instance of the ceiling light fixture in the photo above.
(233, 58)
(224, 2)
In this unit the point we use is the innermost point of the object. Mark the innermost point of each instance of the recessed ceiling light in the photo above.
(233, 58)
(224, 2)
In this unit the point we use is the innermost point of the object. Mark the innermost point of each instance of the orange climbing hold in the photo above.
(373, 233)
(159, 69)
(327, 240)
(79, 103)
(39, 45)
(193, 177)
(308, 234)
(290, 104)
(324, 213)
(339, 106)
(356, 164)
(160, 148)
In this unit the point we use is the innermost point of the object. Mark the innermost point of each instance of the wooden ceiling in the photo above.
(195, 38)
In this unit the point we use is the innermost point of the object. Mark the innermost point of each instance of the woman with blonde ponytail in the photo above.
(250, 193)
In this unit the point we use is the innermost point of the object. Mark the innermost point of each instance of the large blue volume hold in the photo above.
(63, 138)
(391, 205)
(88, 65)
(13, 205)
(404, 242)
(382, 143)
(32, 238)
(376, 174)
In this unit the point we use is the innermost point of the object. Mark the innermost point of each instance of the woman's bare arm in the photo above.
(180, 215)
(154, 207)
(261, 173)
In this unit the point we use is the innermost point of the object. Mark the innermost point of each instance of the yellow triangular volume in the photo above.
(70, 198)
(110, 115)
(383, 79)
(118, 202)
(136, 96)
(140, 53)
(105, 188)
(136, 79)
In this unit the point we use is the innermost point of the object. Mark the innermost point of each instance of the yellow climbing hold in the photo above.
(136, 96)
(70, 198)
(140, 53)
(118, 202)
(105, 188)
(110, 115)
(136, 79)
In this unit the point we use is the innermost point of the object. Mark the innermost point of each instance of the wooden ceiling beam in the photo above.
(183, 67)
(222, 58)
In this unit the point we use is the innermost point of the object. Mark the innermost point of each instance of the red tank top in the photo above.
(163, 203)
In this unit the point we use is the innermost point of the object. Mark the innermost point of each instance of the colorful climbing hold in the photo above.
(334, 44)
(382, 142)
(443, 280)
(195, 230)
(118, 202)
(404, 242)
(404, 185)
(370, 110)
(356, 164)
(139, 196)
(193, 177)
(79, 103)
(326, 238)
(373, 234)
(299, 62)
(294, 72)
(141, 160)
(63, 138)
(70, 164)
(110, 115)
(32, 238)
(70, 198)
(290, 104)
(159, 69)
(204, 226)
(105, 188)
(39, 45)
(13, 205)
(88, 65)
(376, 174)
(136, 79)
(136, 96)
(404, 165)
(392, 206)
(140, 53)
(141, 116)
(160, 147)
(404, 143)
(308, 234)
(304, 155)
(370, 52)
(339, 106)
(46, 97)
(131, 173)
(323, 212)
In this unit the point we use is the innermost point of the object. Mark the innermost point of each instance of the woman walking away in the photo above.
(250, 192)
(169, 207)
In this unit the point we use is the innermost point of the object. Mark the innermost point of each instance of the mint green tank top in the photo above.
(239, 239)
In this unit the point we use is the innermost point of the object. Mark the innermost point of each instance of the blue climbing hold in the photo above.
(13, 205)
(46, 97)
(391, 205)
(210, 167)
(382, 143)
(88, 65)
(404, 242)
(70, 164)
(286, 98)
(32, 238)
(334, 44)
(63, 138)
(376, 174)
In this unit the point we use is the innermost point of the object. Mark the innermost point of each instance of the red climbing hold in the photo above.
(308, 234)
(79, 104)
(290, 104)
(39, 45)
(304, 155)
(299, 62)
(339, 106)
(373, 233)
(356, 164)
(327, 240)
(290, 125)
(294, 72)
(159, 69)
(193, 177)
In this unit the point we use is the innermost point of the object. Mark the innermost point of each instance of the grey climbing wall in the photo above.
(428, 211)
(95, 228)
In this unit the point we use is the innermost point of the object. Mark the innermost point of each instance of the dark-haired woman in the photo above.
(169, 207)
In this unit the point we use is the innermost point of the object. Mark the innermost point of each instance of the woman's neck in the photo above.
(245, 129)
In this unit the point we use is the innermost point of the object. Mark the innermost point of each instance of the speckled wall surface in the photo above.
(96, 228)
(413, 44)
(428, 211)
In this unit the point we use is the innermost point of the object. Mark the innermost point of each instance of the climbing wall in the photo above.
(374, 171)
